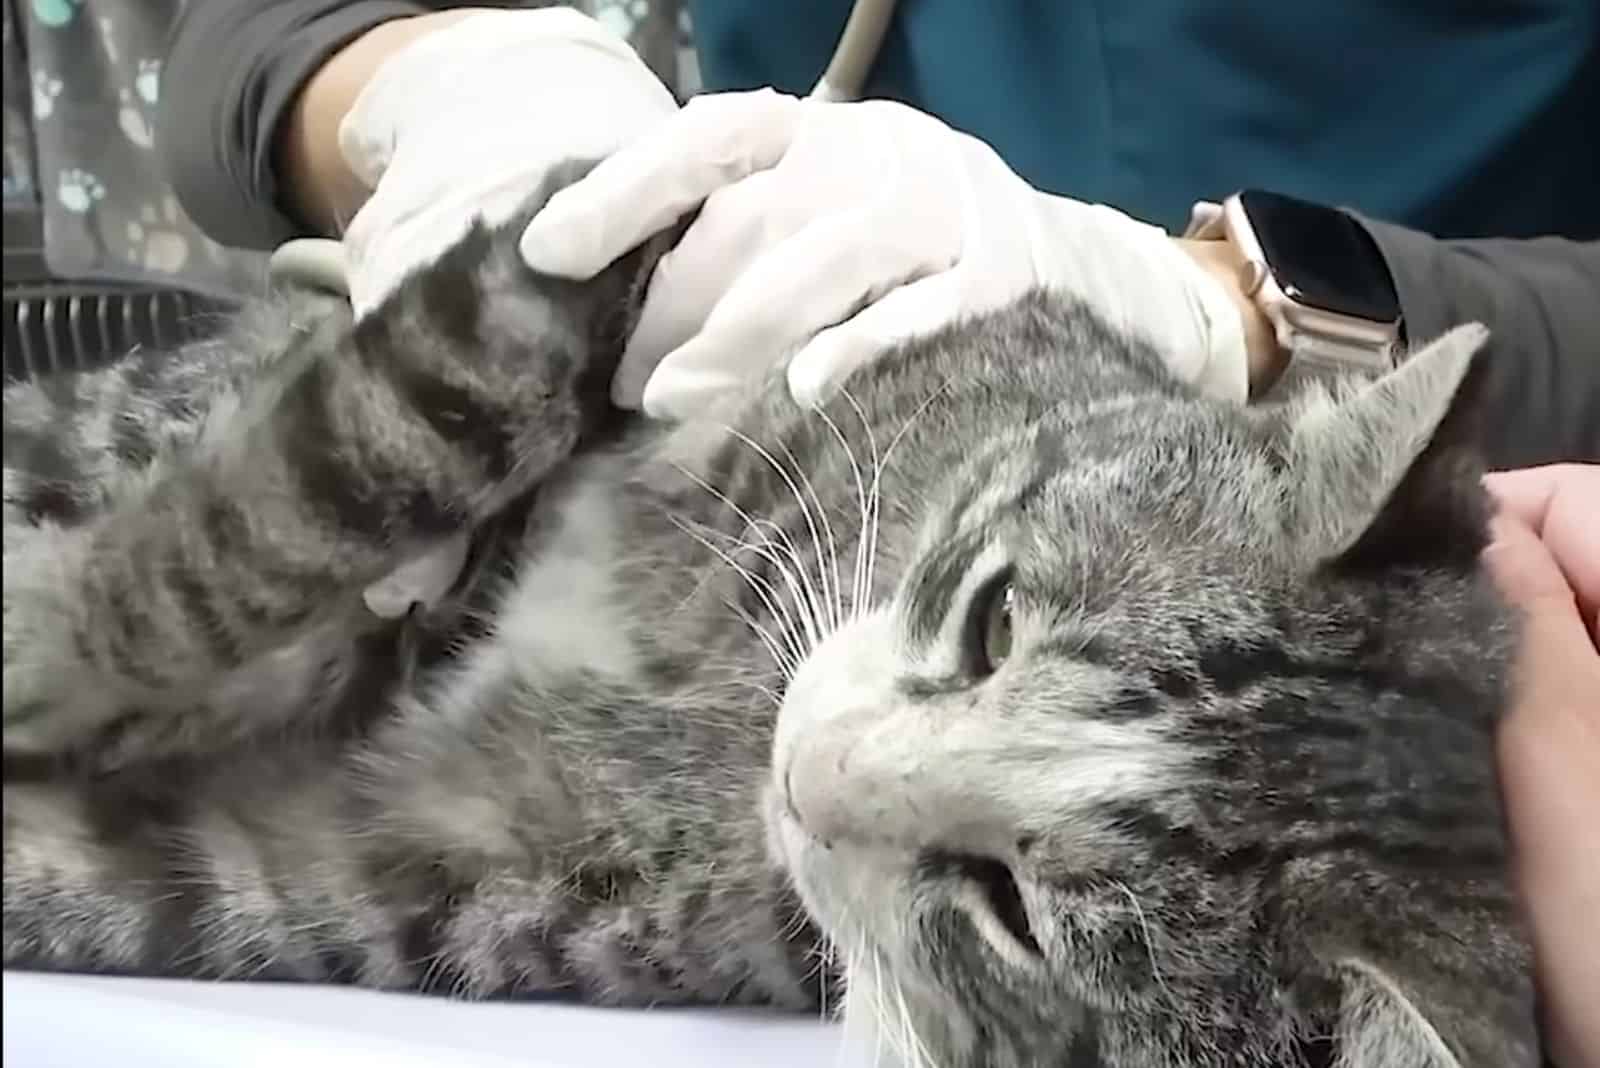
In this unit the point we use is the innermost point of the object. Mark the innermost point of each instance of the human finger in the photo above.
(1560, 503)
(736, 224)
(810, 281)
(714, 141)
(818, 369)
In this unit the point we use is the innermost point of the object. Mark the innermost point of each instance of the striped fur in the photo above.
(700, 722)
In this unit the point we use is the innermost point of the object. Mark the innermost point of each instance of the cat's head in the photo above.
(1174, 745)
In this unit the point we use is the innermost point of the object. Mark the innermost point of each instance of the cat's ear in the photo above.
(1377, 1025)
(1389, 474)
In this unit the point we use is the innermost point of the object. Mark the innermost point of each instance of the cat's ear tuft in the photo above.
(1389, 475)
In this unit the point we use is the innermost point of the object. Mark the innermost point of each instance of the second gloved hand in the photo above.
(465, 122)
(831, 231)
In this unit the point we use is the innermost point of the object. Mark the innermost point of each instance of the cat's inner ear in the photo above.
(1379, 1026)
(1389, 474)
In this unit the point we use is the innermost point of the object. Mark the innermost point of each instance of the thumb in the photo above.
(1529, 577)
(714, 141)
(919, 307)
(1548, 746)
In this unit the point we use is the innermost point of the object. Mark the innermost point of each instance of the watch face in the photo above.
(1322, 257)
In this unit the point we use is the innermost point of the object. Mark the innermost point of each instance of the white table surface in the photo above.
(59, 1021)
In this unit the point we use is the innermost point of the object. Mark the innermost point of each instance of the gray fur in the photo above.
(700, 723)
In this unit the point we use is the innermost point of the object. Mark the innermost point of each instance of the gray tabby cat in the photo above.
(1047, 712)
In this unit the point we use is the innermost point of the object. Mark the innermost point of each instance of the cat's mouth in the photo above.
(989, 894)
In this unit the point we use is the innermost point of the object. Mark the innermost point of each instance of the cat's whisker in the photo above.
(762, 589)
(766, 549)
(760, 528)
(869, 519)
(787, 544)
(765, 691)
(755, 526)
(881, 465)
(828, 565)
(786, 664)
(879, 1010)
(861, 507)
(784, 647)
(831, 951)
(795, 642)
(916, 1049)
(816, 617)
(1149, 940)
(750, 521)
(825, 962)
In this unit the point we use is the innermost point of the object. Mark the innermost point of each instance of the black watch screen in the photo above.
(1322, 257)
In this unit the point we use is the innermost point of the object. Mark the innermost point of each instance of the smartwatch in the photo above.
(1317, 276)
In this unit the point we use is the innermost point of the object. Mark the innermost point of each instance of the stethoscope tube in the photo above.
(856, 51)
(318, 262)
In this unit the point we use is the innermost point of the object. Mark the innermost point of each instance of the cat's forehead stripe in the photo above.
(1004, 481)
(934, 584)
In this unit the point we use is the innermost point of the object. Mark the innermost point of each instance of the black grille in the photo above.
(62, 326)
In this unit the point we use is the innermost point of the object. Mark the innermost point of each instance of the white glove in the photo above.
(842, 228)
(465, 122)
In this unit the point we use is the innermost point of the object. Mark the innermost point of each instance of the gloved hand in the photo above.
(464, 122)
(842, 228)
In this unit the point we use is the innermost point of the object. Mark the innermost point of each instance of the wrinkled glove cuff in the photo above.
(403, 84)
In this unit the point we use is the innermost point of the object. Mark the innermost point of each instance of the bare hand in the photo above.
(1546, 560)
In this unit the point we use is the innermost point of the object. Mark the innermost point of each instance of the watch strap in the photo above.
(1311, 355)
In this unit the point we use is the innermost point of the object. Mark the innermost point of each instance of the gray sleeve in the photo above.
(1540, 299)
(234, 68)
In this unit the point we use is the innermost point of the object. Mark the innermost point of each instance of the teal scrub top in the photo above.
(1457, 117)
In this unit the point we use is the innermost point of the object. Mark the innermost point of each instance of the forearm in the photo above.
(250, 145)
(1224, 262)
(241, 65)
(1541, 302)
(317, 184)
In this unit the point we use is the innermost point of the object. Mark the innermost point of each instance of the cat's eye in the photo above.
(989, 626)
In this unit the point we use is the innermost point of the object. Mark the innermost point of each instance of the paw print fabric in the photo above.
(80, 117)
(21, 100)
(659, 31)
(82, 87)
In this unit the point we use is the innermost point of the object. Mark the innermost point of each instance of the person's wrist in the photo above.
(318, 186)
(1225, 263)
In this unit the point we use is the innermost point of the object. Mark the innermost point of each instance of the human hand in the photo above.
(1545, 558)
(462, 122)
(842, 228)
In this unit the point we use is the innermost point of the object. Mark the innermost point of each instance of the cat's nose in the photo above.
(868, 781)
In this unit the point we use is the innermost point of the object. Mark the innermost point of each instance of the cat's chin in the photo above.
(851, 890)
(864, 894)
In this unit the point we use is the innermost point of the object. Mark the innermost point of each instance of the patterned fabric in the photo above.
(21, 183)
(659, 31)
(94, 82)
(82, 85)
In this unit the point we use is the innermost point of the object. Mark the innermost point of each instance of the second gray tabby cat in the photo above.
(1028, 705)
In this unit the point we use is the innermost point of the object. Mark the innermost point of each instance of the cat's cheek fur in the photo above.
(860, 756)
(872, 778)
